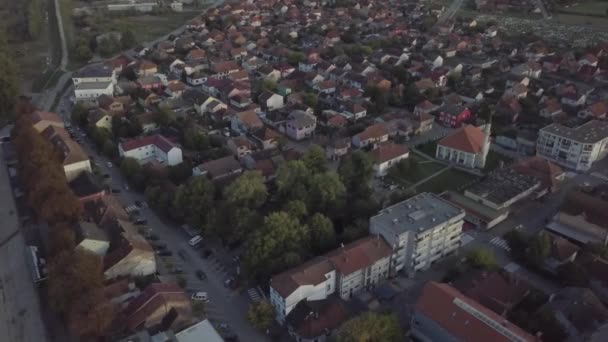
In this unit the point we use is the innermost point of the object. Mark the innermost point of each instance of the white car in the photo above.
(200, 297)
(110, 165)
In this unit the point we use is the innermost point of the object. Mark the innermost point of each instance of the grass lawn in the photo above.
(428, 148)
(588, 7)
(493, 160)
(582, 20)
(448, 180)
(420, 169)
(145, 27)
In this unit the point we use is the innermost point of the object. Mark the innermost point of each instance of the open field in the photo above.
(588, 7)
(146, 27)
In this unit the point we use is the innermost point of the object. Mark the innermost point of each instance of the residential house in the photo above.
(443, 313)
(498, 291)
(582, 218)
(411, 226)
(160, 304)
(201, 331)
(344, 271)
(267, 138)
(175, 89)
(337, 148)
(370, 136)
(91, 238)
(240, 146)
(578, 311)
(387, 155)
(354, 111)
(551, 108)
(223, 69)
(453, 115)
(100, 118)
(42, 120)
(219, 169)
(574, 147)
(270, 101)
(562, 252)
(550, 175)
(149, 82)
(145, 68)
(86, 188)
(153, 147)
(314, 320)
(467, 147)
(246, 122)
(597, 110)
(73, 158)
(147, 122)
(531, 69)
(425, 107)
(131, 256)
(300, 125)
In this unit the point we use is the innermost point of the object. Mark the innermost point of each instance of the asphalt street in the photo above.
(225, 306)
(20, 318)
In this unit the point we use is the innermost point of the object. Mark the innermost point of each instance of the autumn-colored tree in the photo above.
(61, 238)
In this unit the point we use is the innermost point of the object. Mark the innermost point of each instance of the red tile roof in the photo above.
(373, 132)
(389, 151)
(163, 296)
(445, 306)
(359, 254)
(158, 140)
(467, 139)
(309, 273)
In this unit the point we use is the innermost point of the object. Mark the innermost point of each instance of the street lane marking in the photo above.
(511, 267)
(500, 242)
(465, 239)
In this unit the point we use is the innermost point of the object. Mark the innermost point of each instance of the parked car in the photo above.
(182, 254)
(153, 237)
(177, 270)
(106, 176)
(141, 222)
(201, 275)
(201, 297)
(164, 253)
(115, 191)
(206, 253)
(110, 165)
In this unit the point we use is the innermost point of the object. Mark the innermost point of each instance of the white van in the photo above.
(200, 296)
(195, 241)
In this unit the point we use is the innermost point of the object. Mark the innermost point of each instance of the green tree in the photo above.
(310, 100)
(296, 208)
(481, 258)
(195, 140)
(540, 248)
(261, 315)
(371, 327)
(281, 241)
(518, 244)
(110, 149)
(322, 234)
(108, 46)
(315, 159)
(194, 202)
(296, 57)
(326, 193)
(82, 51)
(35, 18)
(79, 115)
(356, 171)
(165, 117)
(61, 238)
(8, 87)
(292, 180)
(248, 190)
(127, 39)
(130, 168)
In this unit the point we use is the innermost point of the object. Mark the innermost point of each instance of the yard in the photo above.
(493, 160)
(428, 148)
(414, 169)
(449, 180)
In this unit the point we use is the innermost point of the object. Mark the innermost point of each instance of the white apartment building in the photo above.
(151, 148)
(93, 90)
(345, 271)
(576, 147)
(420, 231)
(94, 73)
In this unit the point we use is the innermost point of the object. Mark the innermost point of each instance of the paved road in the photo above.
(64, 46)
(20, 319)
(225, 306)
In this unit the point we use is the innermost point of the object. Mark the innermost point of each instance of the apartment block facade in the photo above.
(574, 147)
(344, 271)
(420, 230)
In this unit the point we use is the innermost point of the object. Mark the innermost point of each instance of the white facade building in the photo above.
(94, 73)
(300, 125)
(467, 147)
(93, 90)
(154, 147)
(575, 148)
(346, 271)
(420, 230)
